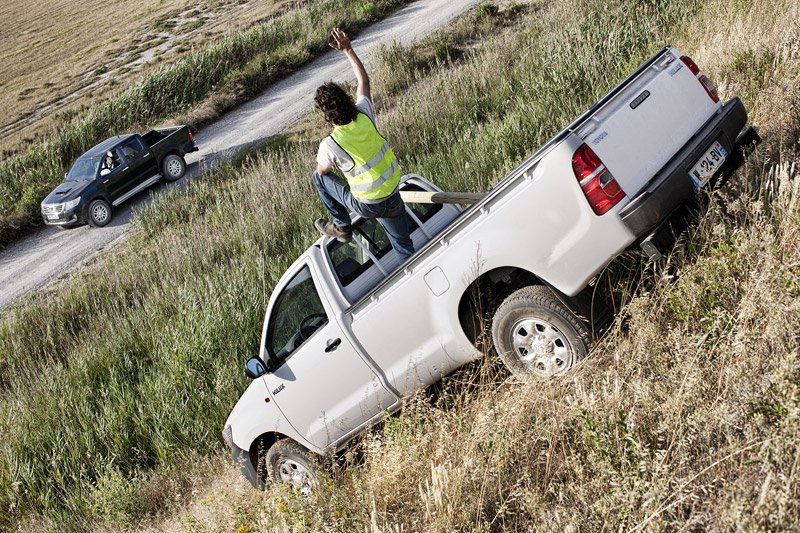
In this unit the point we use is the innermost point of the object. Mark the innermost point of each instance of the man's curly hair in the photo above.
(337, 106)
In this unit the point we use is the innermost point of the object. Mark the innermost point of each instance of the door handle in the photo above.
(125, 169)
(105, 181)
(332, 345)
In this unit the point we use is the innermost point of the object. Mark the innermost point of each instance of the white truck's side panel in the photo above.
(536, 225)
(253, 416)
(415, 335)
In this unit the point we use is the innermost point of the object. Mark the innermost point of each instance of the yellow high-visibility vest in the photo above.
(376, 172)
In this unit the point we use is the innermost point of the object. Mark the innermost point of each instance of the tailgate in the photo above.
(640, 128)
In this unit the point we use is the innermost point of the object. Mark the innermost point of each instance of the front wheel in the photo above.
(99, 213)
(290, 463)
(173, 167)
(536, 335)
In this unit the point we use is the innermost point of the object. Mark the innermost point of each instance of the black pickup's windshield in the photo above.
(84, 169)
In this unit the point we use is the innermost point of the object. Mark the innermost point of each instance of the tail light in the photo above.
(599, 186)
(191, 137)
(704, 81)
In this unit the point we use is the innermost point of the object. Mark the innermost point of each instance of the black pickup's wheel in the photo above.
(99, 213)
(173, 167)
(536, 335)
(290, 463)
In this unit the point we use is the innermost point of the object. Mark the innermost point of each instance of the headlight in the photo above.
(72, 204)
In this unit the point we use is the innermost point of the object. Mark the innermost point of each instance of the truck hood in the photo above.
(66, 191)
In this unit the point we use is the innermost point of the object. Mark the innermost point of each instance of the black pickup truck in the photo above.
(115, 170)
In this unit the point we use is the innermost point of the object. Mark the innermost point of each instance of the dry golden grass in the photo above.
(59, 55)
(686, 416)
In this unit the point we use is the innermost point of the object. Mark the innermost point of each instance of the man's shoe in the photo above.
(326, 227)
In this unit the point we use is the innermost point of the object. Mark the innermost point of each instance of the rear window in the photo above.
(370, 243)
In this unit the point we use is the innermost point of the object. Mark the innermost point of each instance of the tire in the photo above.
(98, 213)
(536, 335)
(173, 167)
(291, 464)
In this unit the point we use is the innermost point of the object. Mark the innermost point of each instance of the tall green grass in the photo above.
(686, 415)
(136, 364)
(124, 377)
(234, 69)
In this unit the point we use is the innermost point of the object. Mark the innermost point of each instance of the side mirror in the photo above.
(255, 368)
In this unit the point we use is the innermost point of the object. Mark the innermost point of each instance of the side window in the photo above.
(424, 211)
(297, 314)
(350, 260)
(129, 149)
(107, 166)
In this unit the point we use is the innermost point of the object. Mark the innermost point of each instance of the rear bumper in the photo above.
(672, 187)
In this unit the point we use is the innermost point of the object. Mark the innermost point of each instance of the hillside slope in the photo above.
(685, 415)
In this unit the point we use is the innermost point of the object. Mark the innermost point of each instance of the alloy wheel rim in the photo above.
(296, 475)
(174, 167)
(99, 213)
(540, 347)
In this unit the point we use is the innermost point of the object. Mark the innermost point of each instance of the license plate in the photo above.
(52, 216)
(708, 164)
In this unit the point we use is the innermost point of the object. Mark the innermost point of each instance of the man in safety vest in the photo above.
(362, 154)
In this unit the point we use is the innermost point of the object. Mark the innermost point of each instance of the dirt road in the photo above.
(52, 252)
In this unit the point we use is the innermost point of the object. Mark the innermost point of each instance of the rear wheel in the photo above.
(173, 167)
(290, 463)
(536, 335)
(99, 213)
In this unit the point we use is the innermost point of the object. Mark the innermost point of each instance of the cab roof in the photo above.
(103, 147)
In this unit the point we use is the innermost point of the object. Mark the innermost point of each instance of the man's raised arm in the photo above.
(341, 42)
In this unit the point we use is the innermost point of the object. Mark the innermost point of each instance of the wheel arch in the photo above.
(99, 195)
(172, 151)
(258, 449)
(485, 293)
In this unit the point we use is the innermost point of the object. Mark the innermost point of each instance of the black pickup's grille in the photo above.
(52, 209)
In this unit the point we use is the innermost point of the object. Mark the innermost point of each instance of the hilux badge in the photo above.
(276, 391)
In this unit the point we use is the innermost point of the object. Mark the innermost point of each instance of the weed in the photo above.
(662, 427)
(241, 64)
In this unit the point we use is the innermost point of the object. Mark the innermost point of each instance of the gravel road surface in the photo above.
(52, 252)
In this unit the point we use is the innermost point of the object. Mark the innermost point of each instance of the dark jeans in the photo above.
(337, 198)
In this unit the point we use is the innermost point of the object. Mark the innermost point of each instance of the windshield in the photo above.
(83, 169)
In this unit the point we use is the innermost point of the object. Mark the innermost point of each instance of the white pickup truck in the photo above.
(349, 333)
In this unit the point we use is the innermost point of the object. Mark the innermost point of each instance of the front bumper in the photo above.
(672, 187)
(64, 219)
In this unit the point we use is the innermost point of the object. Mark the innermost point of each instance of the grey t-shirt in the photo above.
(330, 154)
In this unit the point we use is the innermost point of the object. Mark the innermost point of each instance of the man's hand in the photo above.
(339, 40)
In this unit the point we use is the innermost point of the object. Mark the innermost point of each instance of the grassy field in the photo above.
(685, 416)
(193, 88)
(59, 56)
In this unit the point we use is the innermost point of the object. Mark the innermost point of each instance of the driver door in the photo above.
(115, 182)
(317, 379)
